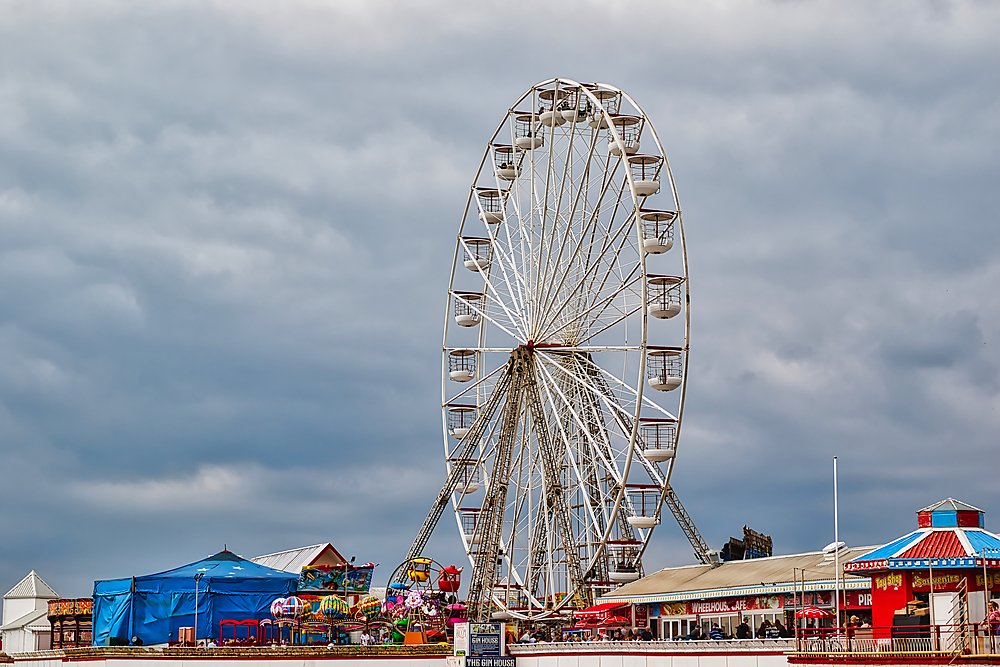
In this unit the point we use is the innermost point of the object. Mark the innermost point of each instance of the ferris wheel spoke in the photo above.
(482, 382)
(509, 268)
(625, 387)
(585, 285)
(484, 313)
(492, 291)
(608, 257)
(619, 522)
(614, 264)
(583, 241)
(619, 413)
(577, 245)
(566, 187)
(594, 313)
(569, 450)
(608, 461)
(621, 317)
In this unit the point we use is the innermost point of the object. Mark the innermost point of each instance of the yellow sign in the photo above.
(942, 580)
(889, 580)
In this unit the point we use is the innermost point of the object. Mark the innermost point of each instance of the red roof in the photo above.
(938, 544)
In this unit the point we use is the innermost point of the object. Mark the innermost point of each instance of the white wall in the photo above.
(26, 641)
(310, 661)
(639, 660)
(15, 608)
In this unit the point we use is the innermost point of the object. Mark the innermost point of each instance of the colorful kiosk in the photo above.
(939, 576)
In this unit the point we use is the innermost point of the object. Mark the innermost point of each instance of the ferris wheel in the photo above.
(567, 304)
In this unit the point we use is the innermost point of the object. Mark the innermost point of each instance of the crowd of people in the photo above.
(611, 635)
(766, 630)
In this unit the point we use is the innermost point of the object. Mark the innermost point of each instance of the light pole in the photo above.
(197, 579)
(836, 545)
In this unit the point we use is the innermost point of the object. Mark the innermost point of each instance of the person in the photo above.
(783, 632)
(716, 632)
(211, 643)
(743, 630)
(854, 622)
(366, 638)
(762, 629)
(993, 617)
(646, 635)
(695, 634)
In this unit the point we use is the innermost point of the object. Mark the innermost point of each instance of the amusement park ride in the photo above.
(570, 271)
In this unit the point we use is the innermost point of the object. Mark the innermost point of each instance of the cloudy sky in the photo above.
(226, 232)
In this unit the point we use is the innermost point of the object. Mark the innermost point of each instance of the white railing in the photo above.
(665, 646)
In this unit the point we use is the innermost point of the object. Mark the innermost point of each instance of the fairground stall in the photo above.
(71, 621)
(941, 574)
(318, 586)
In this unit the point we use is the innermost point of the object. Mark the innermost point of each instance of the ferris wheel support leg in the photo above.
(701, 549)
(464, 451)
(490, 524)
(538, 552)
(554, 491)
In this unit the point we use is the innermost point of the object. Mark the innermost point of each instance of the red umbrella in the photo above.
(813, 612)
(615, 620)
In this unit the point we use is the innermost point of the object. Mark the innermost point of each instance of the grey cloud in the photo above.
(226, 232)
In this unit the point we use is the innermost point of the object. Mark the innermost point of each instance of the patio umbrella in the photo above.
(813, 612)
(615, 620)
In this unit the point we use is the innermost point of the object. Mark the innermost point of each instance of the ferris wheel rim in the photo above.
(482, 349)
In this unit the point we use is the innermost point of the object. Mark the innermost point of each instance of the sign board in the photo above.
(489, 661)
(755, 544)
(858, 600)
(641, 620)
(462, 638)
(336, 579)
(486, 639)
(722, 605)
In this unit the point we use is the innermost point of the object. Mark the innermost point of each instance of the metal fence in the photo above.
(963, 639)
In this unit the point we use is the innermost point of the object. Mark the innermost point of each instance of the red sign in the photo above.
(641, 616)
(730, 605)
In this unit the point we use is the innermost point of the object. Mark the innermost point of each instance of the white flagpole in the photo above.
(836, 545)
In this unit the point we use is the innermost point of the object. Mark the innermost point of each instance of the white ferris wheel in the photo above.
(567, 304)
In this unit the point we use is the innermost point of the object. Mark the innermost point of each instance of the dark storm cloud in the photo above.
(226, 230)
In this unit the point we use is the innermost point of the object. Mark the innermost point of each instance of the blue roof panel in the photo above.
(891, 549)
(980, 539)
(224, 564)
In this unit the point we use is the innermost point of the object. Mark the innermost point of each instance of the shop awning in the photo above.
(597, 610)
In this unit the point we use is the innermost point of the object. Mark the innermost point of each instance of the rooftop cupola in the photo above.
(950, 513)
